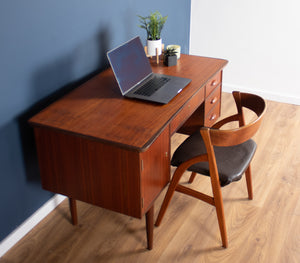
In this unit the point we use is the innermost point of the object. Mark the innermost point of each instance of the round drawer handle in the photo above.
(214, 100)
(214, 83)
(212, 117)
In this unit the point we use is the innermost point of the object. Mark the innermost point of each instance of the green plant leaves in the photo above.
(153, 24)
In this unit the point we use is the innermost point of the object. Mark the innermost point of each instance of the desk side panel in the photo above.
(90, 171)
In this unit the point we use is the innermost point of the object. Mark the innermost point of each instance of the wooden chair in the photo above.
(224, 155)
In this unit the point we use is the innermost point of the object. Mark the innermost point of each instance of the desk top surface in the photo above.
(98, 111)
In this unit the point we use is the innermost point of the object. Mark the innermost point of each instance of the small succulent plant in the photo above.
(170, 52)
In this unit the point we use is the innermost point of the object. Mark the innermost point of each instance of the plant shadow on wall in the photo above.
(47, 88)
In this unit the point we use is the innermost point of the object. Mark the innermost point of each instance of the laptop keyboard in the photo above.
(151, 86)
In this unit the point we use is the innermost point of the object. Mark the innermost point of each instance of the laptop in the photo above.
(135, 78)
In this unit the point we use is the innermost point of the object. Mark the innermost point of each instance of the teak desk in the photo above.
(96, 146)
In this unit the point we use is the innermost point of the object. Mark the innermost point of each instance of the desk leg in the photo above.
(73, 209)
(150, 227)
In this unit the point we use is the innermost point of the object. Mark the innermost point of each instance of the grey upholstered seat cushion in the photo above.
(231, 161)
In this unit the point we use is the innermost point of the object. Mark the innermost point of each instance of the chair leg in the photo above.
(221, 220)
(249, 183)
(174, 182)
(218, 200)
(192, 177)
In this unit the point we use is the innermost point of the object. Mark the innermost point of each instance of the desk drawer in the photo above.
(213, 99)
(187, 111)
(212, 115)
(213, 83)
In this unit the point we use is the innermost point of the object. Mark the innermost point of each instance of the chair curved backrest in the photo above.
(245, 131)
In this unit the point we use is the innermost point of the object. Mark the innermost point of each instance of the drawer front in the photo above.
(213, 83)
(212, 116)
(213, 99)
(187, 111)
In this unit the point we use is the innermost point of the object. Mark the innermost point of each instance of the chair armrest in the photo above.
(200, 158)
(224, 121)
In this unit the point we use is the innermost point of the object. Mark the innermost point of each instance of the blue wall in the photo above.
(46, 49)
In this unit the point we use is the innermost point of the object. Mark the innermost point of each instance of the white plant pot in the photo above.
(152, 45)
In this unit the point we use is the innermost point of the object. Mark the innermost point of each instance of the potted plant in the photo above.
(170, 57)
(153, 24)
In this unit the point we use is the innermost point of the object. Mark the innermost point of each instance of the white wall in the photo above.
(261, 40)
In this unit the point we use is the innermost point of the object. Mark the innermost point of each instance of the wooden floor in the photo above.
(266, 229)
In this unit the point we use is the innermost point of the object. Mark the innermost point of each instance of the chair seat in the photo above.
(231, 161)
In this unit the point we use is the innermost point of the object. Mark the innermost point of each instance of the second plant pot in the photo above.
(170, 60)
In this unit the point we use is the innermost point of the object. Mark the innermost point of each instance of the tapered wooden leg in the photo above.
(218, 200)
(176, 177)
(220, 211)
(221, 221)
(192, 177)
(149, 227)
(249, 183)
(73, 209)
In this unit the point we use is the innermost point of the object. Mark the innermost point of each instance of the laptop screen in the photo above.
(129, 63)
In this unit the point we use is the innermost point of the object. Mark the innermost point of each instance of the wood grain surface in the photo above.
(132, 123)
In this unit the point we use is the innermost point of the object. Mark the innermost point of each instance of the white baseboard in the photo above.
(265, 94)
(29, 224)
